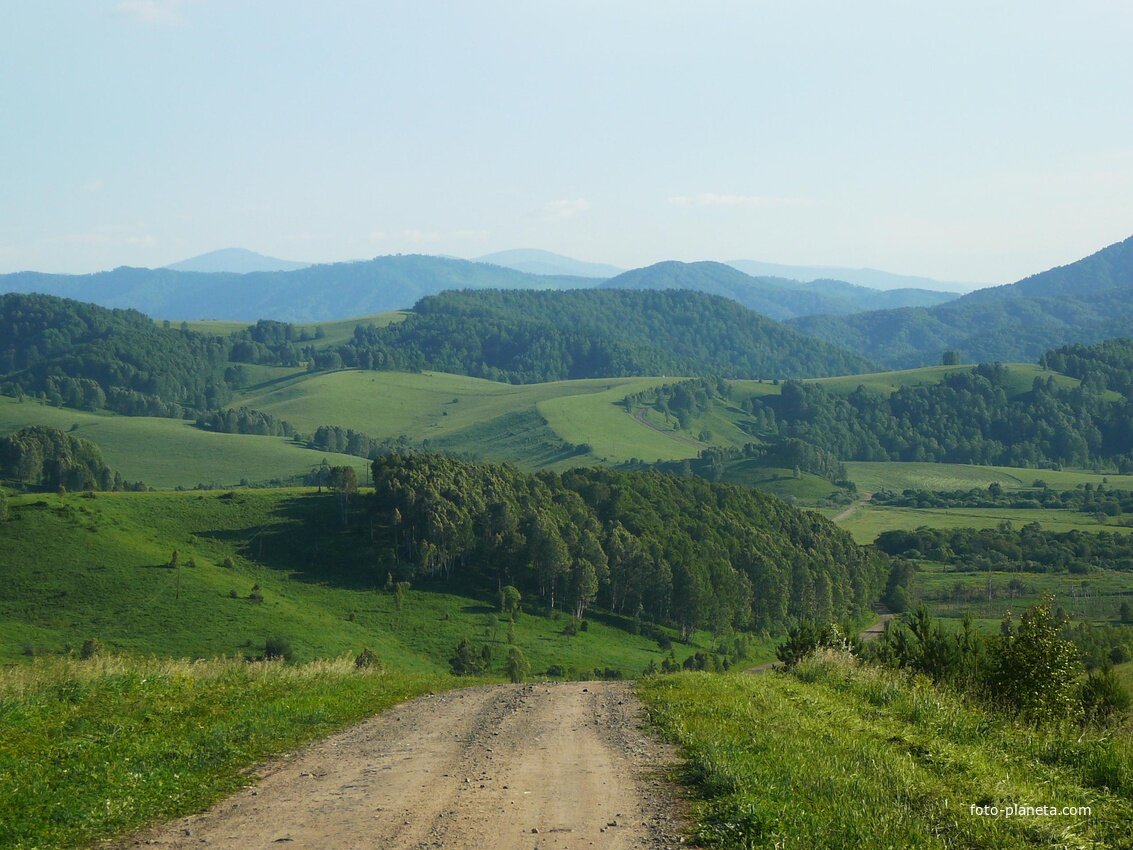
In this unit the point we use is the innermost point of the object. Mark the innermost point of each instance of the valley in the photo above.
(623, 501)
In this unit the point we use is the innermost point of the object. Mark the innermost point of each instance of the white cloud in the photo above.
(96, 185)
(150, 11)
(565, 208)
(712, 199)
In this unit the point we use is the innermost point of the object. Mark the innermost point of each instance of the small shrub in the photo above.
(227, 563)
(366, 659)
(518, 667)
(556, 671)
(1104, 698)
(276, 648)
(584, 626)
(91, 648)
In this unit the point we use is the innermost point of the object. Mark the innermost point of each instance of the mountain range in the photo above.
(775, 297)
(338, 290)
(1085, 301)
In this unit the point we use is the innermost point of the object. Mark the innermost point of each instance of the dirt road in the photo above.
(506, 766)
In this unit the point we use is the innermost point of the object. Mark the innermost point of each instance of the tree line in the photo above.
(533, 336)
(1101, 501)
(49, 459)
(1029, 548)
(682, 551)
(968, 416)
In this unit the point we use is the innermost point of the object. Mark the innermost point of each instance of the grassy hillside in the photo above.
(167, 453)
(77, 568)
(84, 759)
(841, 756)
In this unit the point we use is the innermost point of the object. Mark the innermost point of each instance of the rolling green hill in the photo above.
(167, 453)
(77, 568)
(1082, 302)
(775, 297)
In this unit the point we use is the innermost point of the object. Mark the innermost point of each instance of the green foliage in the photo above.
(1082, 302)
(518, 668)
(510, 598)
(278, 648)
(91, 358)
(1034, 670)
(98, 748)
(467, 661)
(1105, 700)
(313, 575)
(967, 417)
(1005, 547)
(48, 459)
(805, 638)
(529, 337)
(366, 659)
(680, 551)
(861, 756)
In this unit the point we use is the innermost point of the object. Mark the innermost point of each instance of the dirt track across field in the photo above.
(561, 765)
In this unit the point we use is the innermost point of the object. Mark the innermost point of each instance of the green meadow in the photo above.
(868, 521)
(1094, 597)
(90, 749)
(167, 453)
(253, 564)
(839, 755)
(871, 476)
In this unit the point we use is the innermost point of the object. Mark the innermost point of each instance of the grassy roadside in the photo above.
(846, 756)
(90, 749)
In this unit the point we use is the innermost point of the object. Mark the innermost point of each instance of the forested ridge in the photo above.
(529, 337)
(967, 417)
(1082, 302)
(673, 550)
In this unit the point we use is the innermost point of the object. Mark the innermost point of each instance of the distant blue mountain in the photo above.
(534, 261)
(872, 278)
(236, 261)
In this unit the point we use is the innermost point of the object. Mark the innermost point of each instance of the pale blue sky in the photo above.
(962, 140)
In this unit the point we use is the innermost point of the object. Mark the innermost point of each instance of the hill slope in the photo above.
(777, 298)
(528, 337)
(1083, 302)
(310, 294)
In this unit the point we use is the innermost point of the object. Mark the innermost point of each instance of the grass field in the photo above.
(869, 521)
(77, 568)
(864, 757)
(1095, 597)
(91, 749)
(332, 333)
(872, 476)
(166, 453)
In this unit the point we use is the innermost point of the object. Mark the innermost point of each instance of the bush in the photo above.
(1104, 699)
(366, 659)
(466, 661)
(276, 648)
(227, 563)
(91, 647)
(518, 667)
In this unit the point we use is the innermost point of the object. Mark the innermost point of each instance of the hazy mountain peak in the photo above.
(871, 278)
(535, 261)
(235, 260)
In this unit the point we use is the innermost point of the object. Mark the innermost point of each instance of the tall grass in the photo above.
(94, 748)
(842, 755)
